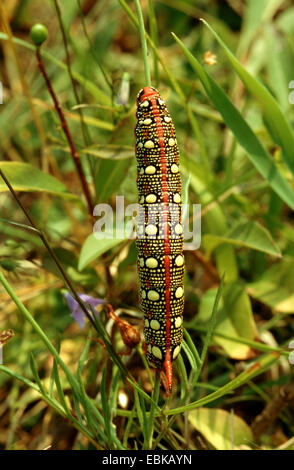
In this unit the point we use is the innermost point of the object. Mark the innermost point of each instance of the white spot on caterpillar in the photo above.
(167, 119)
(144, 104)
(178, 229)
(171, 142)
(153, 295)
(178, 322)
(179, 292)
(151, 198)
(160, 101)
(177, 198)
(151, 263)
(147, 121)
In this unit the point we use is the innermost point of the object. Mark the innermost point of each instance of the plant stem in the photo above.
(143, 42)
(154, 37)
(74, 152)
(25, 88)
(85, 133)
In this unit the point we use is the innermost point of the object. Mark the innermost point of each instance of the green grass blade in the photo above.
(210, 329)
(34, 370)
(274, 118)
(257, 154)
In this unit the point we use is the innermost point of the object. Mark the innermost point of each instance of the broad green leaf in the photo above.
(93, 248)
(110, 175)
(274, 118)
(275, 287)
(235, 318)
(25, 177)
(88, 277)
(220, 428)
(249, 234)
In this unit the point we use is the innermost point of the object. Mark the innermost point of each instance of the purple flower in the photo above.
(76, 310)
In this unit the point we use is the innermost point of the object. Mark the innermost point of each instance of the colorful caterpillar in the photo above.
(159, 231)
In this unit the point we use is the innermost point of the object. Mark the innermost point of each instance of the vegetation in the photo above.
(226, 71)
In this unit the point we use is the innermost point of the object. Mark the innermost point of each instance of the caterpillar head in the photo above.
(145, 93)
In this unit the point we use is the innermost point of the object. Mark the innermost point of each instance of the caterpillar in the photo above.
(159, 231)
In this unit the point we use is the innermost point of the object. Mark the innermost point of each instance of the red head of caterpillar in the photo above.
(159, 241)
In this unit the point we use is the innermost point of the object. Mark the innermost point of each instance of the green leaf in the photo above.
(243, 133)
(249, 234)
(274, 118)
(88, 277)
(110, 152)
(93, 248)
(220, 428)
(275, 287)
(25, 177)
(235, 318)
(110, 174)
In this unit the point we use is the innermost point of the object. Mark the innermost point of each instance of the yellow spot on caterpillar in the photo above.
(171, 142)
(140, 145)
(151, 263)
(157, 352)
(149, 144)
(141, 262)
(150, 170)
(174, 168)
(177, 198)
(176, 351)
(151, 198)
(144, 104)
(155, 325)
(151, 229)
(153, 295)
(179, 292)
(178, 229)
(147, 121)
(178, 322)
(179, 260)
(143, 294)
(167, 119)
